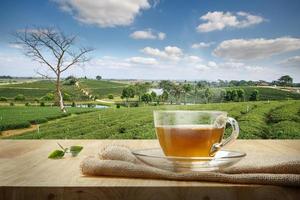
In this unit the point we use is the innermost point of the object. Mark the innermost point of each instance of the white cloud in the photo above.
(193, 59)
(219, 20)
(212, 64)
(241, 49)
(202, 45)
(161, 36)
(142, 60)
(104, 13)
(291, 61)
(202, 67)
(15, 46)
(240, 66)
(147, 34)
(170, 52)
(109, 62)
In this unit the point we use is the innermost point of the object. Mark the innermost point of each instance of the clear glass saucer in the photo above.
(156, 158)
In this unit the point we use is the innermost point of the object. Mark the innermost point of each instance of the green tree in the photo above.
(228, 95)
(186, 88)
(141, 88)
(146, 98)
(20, 97)
(241, 94)
(222, 95)
(153, 96)
(98, 77)
(110, 96)
(176, 92)
(70, 80)
(254, 96)
(127, 93)
(207, 95)
(164, 96)
(285, 80)
(166, 85)
(234, 95)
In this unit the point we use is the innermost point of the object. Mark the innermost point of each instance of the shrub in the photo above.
(42, 104)
(73, 104)
(118, 105)
(11, 104)
(3, 99)
(110, 96)
(70, 80)
(254, 96)
(66, 97)
(20, 97)
(48, 97)
(27, 104)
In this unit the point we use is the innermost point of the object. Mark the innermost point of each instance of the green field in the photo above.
(22, 117)
(37, 89)
(256, 119)
(102, 89)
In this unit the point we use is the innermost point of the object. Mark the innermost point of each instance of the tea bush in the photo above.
(22, 117)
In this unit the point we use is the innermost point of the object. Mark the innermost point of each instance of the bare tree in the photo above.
(54, 50)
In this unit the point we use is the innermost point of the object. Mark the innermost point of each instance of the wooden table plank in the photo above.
(26, 170)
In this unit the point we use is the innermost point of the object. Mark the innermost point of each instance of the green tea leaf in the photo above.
(57, 154)
(75, 150)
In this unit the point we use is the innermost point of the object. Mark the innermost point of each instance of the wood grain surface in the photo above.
(27, 173)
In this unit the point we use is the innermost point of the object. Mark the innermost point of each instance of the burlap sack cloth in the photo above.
(118, 161)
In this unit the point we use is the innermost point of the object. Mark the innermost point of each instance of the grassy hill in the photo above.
(37, 89)
(21, 117)
(256, 119)
(101, 88)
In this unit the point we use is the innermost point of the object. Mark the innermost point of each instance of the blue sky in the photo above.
(164, 39)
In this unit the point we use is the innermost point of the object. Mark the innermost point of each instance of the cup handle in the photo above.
(235, 133)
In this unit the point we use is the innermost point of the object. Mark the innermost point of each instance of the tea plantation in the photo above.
(21, 117)
(266, 120)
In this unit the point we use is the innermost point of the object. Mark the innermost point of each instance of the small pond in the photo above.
(88, 106)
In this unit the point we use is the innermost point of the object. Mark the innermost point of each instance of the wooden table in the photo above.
(27, 173)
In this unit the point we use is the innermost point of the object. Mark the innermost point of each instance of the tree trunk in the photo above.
(60, 99)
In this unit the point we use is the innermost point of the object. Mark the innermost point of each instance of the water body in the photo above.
(88, 106)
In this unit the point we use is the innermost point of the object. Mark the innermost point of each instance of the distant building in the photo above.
(157, 91)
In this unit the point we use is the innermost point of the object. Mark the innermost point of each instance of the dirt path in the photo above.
(9, 133)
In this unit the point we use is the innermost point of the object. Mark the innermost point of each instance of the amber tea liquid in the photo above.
(188, 140)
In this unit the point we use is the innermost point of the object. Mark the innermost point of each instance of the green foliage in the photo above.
(70, 80)
(98, 77)
(146, 98)
(110, 96)
(207, 95)
(48, 97)
(11, 104)
(75, 150)
(3, 99)
(128, 92)
(20, 97)
(285, 80)
(56, 154)
(42, 104)
(38, 89)
(254, 96)
(22, 117)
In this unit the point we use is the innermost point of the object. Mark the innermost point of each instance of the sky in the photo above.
(163, 39)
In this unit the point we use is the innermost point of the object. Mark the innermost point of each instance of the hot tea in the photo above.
(188, 140)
